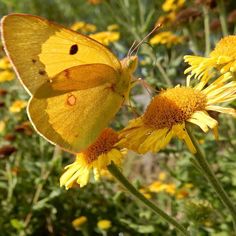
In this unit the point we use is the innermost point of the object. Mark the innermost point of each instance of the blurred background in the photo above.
(32, 203)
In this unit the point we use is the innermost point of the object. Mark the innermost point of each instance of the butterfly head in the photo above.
(130, 64)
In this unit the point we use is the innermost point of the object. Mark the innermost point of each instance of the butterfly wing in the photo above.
(73, 120)
(40, 49)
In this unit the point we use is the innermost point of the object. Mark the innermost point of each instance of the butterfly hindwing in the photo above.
(74, 120)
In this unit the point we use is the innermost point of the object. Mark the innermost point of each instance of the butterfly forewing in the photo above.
(40, 49)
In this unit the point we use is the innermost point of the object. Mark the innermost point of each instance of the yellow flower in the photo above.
(166, 38)
(6, 75)
(170, 188)
(5, 63)
(78, 222)
(96, 157)
(17, 106)
(145, 193)
(166, 19)
(106, 37)
(83, 27)
(162, 176)
(182, 193)
(158, 186)
(222, 58)
(168, 112)
(104, 224)
(172, 5)
(112, 27)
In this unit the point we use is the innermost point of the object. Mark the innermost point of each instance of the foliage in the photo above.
(32, 201)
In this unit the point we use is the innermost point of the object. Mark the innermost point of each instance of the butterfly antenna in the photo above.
(147, 86)
(128, 54)
(150, 33)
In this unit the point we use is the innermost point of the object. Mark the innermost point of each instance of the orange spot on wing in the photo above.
(71, 100)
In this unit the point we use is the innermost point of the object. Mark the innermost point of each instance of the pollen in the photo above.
(173, 106)
(225, 47)
(103, 144)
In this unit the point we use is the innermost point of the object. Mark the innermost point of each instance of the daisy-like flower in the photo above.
(166, 38)
(112, 27)
(6, 75)
(5, 63)
(172, 5)
(79, 222)
(106, 37)
(166, 19)
(168, 112)
(96, 157)
(83, 27)
(104, 224)
(17, 106)
(222, 58)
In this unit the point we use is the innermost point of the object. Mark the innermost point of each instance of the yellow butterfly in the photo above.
(76, 84)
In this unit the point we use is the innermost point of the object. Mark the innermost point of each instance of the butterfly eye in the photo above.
(133, 63)
(74, 49)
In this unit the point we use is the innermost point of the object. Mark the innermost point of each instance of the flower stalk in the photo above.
(207, 30)
(222, 16)
(209, 174)
(113, 169)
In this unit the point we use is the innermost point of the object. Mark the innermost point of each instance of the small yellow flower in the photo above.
(106, 37)
(6, 75)
(158, 186)
(112, 27)
(145, 193)
(104, 224)
(172, 5)
(5, 63)
(166, 19)
(183, 192)
(96, 157)
(83, 27)
(222, 58)
(168, 112)
(170, 188)
(78, 222)
(17, 106)
(188, 185)
(166, 38)
(162, 176)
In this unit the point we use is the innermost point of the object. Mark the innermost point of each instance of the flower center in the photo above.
(103, 144)
(173, 106)
(225, 47)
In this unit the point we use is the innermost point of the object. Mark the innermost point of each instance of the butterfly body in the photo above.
(76, 84)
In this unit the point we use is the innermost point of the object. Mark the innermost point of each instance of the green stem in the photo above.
(193, 44)
(134, 192)
(202, 162)
(223, 21)
(44, 176)
(147, 50)
(207, 30)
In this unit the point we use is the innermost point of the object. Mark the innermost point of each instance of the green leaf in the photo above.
(17, 224)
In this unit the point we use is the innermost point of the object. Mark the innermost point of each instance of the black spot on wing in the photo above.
(34, 61)
(73, 49)
(42, 72)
